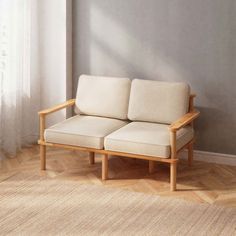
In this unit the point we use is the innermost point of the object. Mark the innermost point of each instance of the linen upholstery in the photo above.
(157, 101)
(145, 138)
(84, 131)
(103, 96)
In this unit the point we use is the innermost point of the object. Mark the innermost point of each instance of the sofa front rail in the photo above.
(113, 153)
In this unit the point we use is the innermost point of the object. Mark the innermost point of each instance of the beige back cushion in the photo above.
(103, 96)
(157, 101)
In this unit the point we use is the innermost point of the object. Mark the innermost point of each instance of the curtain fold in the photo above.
(19, 74)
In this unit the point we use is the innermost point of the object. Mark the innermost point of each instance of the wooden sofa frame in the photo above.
(174, 127)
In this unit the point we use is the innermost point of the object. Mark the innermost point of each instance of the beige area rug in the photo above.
(38, 206)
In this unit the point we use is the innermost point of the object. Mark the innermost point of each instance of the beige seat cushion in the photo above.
(148, 139)
(157, 101)
(103, 96)
(84, 131)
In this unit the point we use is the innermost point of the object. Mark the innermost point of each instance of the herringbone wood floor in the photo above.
(203, 182)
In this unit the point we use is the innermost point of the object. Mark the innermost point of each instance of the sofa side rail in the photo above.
(184, 120)
(68, 103)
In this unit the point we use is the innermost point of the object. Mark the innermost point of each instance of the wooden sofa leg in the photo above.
(151, 167)
(190, 154)
(43, 157)
(91, 158)
(105, 167)
(173, 170)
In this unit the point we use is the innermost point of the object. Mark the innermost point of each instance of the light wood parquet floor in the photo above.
(203, 182)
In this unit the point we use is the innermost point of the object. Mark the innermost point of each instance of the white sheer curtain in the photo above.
(19, 77)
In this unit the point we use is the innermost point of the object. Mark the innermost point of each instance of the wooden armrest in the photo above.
(184, 120)
(68, 103)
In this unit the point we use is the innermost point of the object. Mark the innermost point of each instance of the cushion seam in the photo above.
(84, 135)
(150, 144)
(60, 132)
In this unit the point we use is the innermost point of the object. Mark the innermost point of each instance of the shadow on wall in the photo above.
(114, 46)
(212, 128)
(190, 41)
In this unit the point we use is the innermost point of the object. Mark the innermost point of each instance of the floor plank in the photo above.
(203, 182)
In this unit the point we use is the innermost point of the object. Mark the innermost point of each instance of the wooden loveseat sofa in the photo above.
(144, 119)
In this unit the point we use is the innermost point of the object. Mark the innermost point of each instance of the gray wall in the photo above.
(173, 40)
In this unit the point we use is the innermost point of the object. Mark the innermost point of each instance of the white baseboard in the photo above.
(212, 157)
